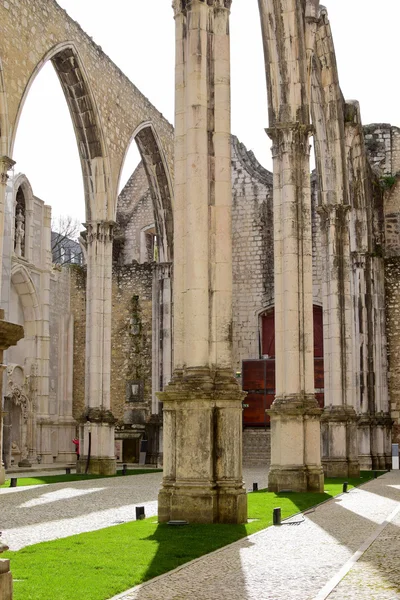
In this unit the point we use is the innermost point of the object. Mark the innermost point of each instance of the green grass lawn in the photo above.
(100, 564)
(22, 481)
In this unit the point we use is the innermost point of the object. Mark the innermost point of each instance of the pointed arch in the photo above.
(26, 291)
(99, 194)
(160, 183)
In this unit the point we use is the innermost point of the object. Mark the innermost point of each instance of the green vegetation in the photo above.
(388, 181)
(100, 564)
(22, 481)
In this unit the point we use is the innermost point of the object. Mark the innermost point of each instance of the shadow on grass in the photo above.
(100, 564)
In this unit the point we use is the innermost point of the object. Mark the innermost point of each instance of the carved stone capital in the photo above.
(100, 231)
(6, 164)
(183, 6)
(290, 138)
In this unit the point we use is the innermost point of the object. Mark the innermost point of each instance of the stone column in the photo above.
(295, 415)
(202, 404)
(6, 164)
(10, 334)
(339, 419)
(97, 422)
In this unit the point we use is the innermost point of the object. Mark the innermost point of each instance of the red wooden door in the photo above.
(258, 376)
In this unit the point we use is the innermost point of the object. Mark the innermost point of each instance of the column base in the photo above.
(339, 442)
(97, 466)
(202, 449)
(6, 583)
(296, 479)
(197, 504)
(295, 445)
(25, 463)
(338, 467)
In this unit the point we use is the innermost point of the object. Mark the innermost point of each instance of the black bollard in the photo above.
(140, 513)
(124, 469)
(375, 474)
(68, 471)
(255, 487)
(276, 516)
(13, 482)
(345, 487)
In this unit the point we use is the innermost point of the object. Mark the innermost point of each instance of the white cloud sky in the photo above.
(138, 35)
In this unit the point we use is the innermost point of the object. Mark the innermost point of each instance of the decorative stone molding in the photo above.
(101, 231)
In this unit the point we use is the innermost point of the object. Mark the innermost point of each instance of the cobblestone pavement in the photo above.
(297, 562)
(33, 514)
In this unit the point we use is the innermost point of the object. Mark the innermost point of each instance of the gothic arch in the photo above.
(26, 291)
(160, 183)
(85, 117)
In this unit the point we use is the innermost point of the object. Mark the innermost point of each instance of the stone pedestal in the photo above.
(295, 447)
(6, 584)
(202, 450)
(339, 442)
(97, 440)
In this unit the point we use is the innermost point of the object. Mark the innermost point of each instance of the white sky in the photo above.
(138, 35)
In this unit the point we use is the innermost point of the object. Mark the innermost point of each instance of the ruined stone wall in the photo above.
(77, 276)
(135, 211)
(131, 340)
(253, 262)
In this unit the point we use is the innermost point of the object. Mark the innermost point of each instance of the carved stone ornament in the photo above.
(181, 6)
(17, 389)
(6, 164)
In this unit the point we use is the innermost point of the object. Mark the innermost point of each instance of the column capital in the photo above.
(182, 6)
(6, 164)
(99, 231)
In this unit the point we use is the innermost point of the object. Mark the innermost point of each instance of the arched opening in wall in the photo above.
(46, 150)
(151, 176)
(259, 375)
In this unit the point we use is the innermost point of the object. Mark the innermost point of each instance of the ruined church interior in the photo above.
(220, 314)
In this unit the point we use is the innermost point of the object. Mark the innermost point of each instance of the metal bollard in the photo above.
(13, 482)
(277, 516)
(345, 487)
(140, 513)
(255, 487)
(124, 469)
(68, 471)
(375, 474)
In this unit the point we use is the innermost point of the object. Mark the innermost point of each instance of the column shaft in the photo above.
(202, 404)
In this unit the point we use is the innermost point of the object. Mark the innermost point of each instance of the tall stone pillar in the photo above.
(203, 402)
(97, 423)
(6, 164)
(339, 419)
(295, 416)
